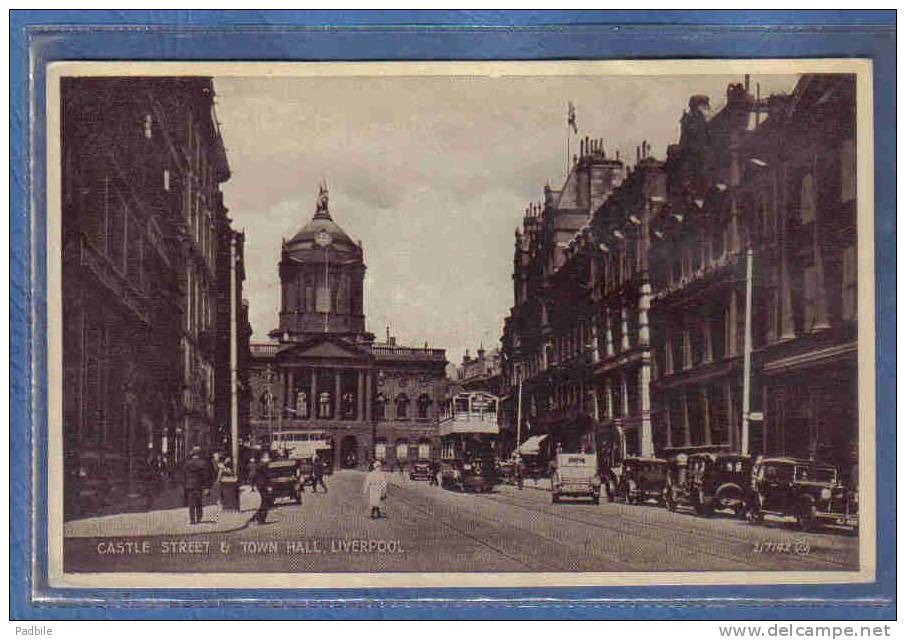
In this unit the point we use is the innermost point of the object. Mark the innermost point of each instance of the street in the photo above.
(427, 528)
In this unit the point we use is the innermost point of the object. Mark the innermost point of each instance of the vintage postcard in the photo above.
(460, 324)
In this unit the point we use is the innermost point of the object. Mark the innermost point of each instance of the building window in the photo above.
(325, 406)
(147, 125)
(807, 199)
(379, 404)
(166, 179)
(349, 405)
(264, 405)
(424, 403)
(402, 449)
(380, 450)
(402, 406)
(850, 300)
(424, 450)
(809, 297)
(301, 405)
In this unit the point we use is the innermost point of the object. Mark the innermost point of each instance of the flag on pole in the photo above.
(571, 117)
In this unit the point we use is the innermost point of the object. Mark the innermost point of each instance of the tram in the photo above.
(298, 444)
(468, 433)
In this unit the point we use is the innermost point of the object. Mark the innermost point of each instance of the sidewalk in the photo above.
(171, 520)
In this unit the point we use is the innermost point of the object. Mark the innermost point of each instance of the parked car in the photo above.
(709, 482)
(421, 470)
(641, 480)
(807, 490)
(576, 475)
(285, 480)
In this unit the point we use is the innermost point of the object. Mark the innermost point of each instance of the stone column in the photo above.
(624, 395)
(291, 399)
(732, 339)
(667, 422)
(706, 417)
(624, 329)
(687, 434)
(644, 339)
(728, 400)
(608, 334)
(368, 399)
(313, 400)
(608, 399)
(360, 397)
(338, 389)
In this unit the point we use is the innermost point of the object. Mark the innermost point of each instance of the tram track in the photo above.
(617, 562)
(684, 533)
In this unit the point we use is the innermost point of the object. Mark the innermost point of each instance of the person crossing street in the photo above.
(375, 489)
(197, 478)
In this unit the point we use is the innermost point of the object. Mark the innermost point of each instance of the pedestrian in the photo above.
(218, 471)
(375, 489)
(517, 471)
(251, 471)
(262, 483)
(196, 478)
(149, 481)
(317, 475)
(435, 469)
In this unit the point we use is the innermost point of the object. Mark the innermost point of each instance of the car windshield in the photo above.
(816, 474)
(778, 473)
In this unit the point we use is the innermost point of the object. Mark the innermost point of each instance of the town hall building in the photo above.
(323, 374)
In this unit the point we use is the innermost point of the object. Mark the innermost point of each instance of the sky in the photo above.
(431, 173)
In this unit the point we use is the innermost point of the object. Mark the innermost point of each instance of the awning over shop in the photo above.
(532, 446)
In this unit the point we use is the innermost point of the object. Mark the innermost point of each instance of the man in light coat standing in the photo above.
(375, 489)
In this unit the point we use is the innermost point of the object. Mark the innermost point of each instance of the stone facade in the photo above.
(323, 372)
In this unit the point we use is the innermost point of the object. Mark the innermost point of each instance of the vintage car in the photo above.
(476, 475)
(708, 482)
(284, 480)
(421, 470)
(641, 480)
(575, 475)
(807, 490)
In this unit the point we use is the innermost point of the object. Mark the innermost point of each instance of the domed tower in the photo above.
(321, 277)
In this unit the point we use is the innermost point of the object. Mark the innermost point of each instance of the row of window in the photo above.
(325, 407)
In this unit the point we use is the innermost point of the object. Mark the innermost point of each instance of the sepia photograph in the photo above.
(460, 324)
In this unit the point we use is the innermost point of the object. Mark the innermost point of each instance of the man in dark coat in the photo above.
(317, 475)
(252, 473)
(263, 485)
(197, 477)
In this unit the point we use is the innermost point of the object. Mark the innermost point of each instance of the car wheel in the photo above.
(671, 501)
(555, 498)
(753, 515)
(631, 495)
(806, 517)
(595, 499)
(701, 506)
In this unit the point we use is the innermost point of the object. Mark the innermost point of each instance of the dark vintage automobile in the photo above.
(641, 480)
(421, 470)
(284, 480)
(709, 482)
(807, 490)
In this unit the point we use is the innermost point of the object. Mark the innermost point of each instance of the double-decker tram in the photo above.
(298, 444)
(468, 433)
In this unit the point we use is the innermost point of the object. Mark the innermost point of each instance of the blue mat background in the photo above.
(39, 37)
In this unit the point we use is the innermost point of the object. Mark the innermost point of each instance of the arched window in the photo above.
(402, 406)
(348, 405)
(402, 449)
(424, 403)
(325, 406)
(379, 403)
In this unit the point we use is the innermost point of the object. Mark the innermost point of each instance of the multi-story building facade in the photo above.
(632, 310)
(142, 164)
(323, 373)
(481, 373)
